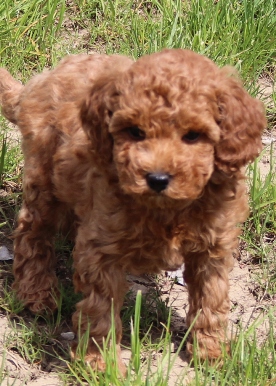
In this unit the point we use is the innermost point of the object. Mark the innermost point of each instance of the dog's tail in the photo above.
(10, 90)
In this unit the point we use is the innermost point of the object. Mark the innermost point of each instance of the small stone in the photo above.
(268, 140)
(177, 275)
(67, 335)
(5, 254)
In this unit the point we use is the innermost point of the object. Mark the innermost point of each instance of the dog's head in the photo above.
(167, 121)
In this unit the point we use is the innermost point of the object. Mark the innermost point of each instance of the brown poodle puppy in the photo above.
(144, 159)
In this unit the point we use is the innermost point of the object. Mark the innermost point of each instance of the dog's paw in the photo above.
(40, 302)
(94, 359)
(207, 346)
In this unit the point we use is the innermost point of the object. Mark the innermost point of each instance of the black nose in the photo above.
(158, 181)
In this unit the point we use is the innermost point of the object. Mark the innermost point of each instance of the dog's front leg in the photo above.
(102, 284)
(208, 286)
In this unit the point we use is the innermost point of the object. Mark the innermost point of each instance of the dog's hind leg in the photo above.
(34, 259)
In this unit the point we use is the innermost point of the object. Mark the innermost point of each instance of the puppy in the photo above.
(145, 160)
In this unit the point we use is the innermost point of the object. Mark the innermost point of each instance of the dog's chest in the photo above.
(150, 244)
(139, 238)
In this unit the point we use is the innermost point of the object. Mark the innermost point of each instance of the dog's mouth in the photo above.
(161, 200)
(162, 189)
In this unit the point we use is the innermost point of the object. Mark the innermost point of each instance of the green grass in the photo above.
(263, 193)
(250, 364)
(139, 371)
(260, 229)
(28, 30)
(152, 361)
(35, 34)
(239, 33)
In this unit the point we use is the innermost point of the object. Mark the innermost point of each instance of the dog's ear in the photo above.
(98, 106)
(242, 121)
(96, 112)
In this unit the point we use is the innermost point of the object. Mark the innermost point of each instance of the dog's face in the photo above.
(163, 149)
(167, 121)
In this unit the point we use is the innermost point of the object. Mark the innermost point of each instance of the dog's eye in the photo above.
(191, 136)
(136, 133)
(109, 113)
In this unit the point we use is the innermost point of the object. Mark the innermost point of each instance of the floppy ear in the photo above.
(98, 106)
(96, 111)
(242, 121)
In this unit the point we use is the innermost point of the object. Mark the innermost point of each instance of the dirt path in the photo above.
(18, 371)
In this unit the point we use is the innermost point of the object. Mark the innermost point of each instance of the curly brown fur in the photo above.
(148, 157)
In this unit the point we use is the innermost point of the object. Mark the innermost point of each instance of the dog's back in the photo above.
(45, 93)
(54, 96)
